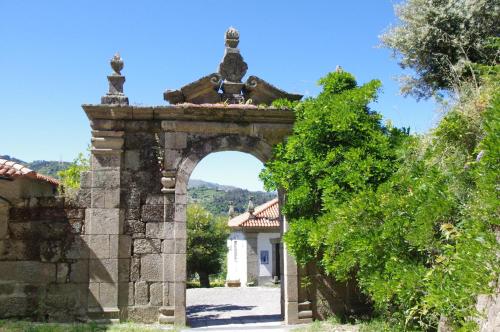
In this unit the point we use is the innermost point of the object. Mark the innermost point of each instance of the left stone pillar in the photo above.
(109, 248)
(108, 261)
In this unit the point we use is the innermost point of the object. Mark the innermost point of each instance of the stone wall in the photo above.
(148, 223)
(330, 297)
(44, 271)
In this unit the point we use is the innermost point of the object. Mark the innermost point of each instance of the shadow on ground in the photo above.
(213, 315)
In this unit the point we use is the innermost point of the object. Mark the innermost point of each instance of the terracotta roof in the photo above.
(11, 169)
(264, 216)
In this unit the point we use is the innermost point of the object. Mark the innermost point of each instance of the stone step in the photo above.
(305, 314)
(162, 319)
(305, 320)
(104, 315)
(167, 311)
(305, 306)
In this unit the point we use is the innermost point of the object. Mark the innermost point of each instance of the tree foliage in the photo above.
(440, 40)
(70, 177)
(206, 244)
(410, 217)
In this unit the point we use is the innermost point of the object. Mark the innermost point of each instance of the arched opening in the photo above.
(248, 287)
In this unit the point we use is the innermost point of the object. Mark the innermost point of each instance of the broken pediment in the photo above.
(261, 92)
(226, 85)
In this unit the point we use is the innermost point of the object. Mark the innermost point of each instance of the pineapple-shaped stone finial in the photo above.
(116, 64)
(232, 37)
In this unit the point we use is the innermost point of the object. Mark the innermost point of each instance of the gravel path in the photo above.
(211, 307)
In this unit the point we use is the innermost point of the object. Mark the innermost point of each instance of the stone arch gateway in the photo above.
(141, 160)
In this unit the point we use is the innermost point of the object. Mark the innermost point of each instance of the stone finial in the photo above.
(117, 64)
(115, 95)
(251, 207)
(232, 69)
(232, 37)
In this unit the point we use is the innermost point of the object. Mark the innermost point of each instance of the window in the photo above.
(264, 257)
(235, 252)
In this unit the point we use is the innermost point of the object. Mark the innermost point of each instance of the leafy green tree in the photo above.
(206, 245)
(70, 177)
(441, 40)
(338, 148)
(411, 218)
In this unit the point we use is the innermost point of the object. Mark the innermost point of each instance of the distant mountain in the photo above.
(215, 197)
(195, 183)
(49, 168)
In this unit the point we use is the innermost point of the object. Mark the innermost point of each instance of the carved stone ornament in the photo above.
(226, 85)
(168, 183)
(115, 95)
(117, 64)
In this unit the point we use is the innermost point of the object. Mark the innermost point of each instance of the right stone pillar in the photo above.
(290, 277)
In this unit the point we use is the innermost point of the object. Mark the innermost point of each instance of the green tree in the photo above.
(206, 245)
(440, 40)
(409, 217)
(70, 177)
(338, 148)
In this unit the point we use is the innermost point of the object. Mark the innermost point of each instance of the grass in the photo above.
(333, 325)
(26, 326)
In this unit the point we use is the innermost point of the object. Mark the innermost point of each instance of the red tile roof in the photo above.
(264, 216)
(12, 169)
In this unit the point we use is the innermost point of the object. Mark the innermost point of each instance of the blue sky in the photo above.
(54, 56)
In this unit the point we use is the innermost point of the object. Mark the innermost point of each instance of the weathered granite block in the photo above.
(93, 294)
(124, 270)
(151, 267)
(155, 230)
(168, 230)
(105, 198)
(126, 294)
(103, 270)
(108, 160)
(78, 249)
(168, 247)
(147, 246)
(141, 293)
(135, 268)
(168, 267)
(156, 293)
(62, 273)
(152, 213)
(79, 271)
(28, 271)
(104, 221)
(98, 245)
(175, 140)
(134, 226)
(120, 246)
(132, 160)
(133, 213)
(108, 294)
(108, 178)
(16, 306)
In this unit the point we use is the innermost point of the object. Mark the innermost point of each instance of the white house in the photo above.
(253, 255)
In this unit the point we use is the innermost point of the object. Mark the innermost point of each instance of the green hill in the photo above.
(215, 198)
(45, 167)
(212, 196)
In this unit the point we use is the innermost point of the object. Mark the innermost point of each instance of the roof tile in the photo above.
(264, 216)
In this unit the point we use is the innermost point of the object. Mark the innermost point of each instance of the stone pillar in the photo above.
(290, 278)
(109, 249)
(174, 253)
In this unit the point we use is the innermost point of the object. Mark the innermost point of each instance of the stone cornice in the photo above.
(191, 112)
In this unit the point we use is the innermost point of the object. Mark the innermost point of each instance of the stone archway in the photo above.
(142, 158)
